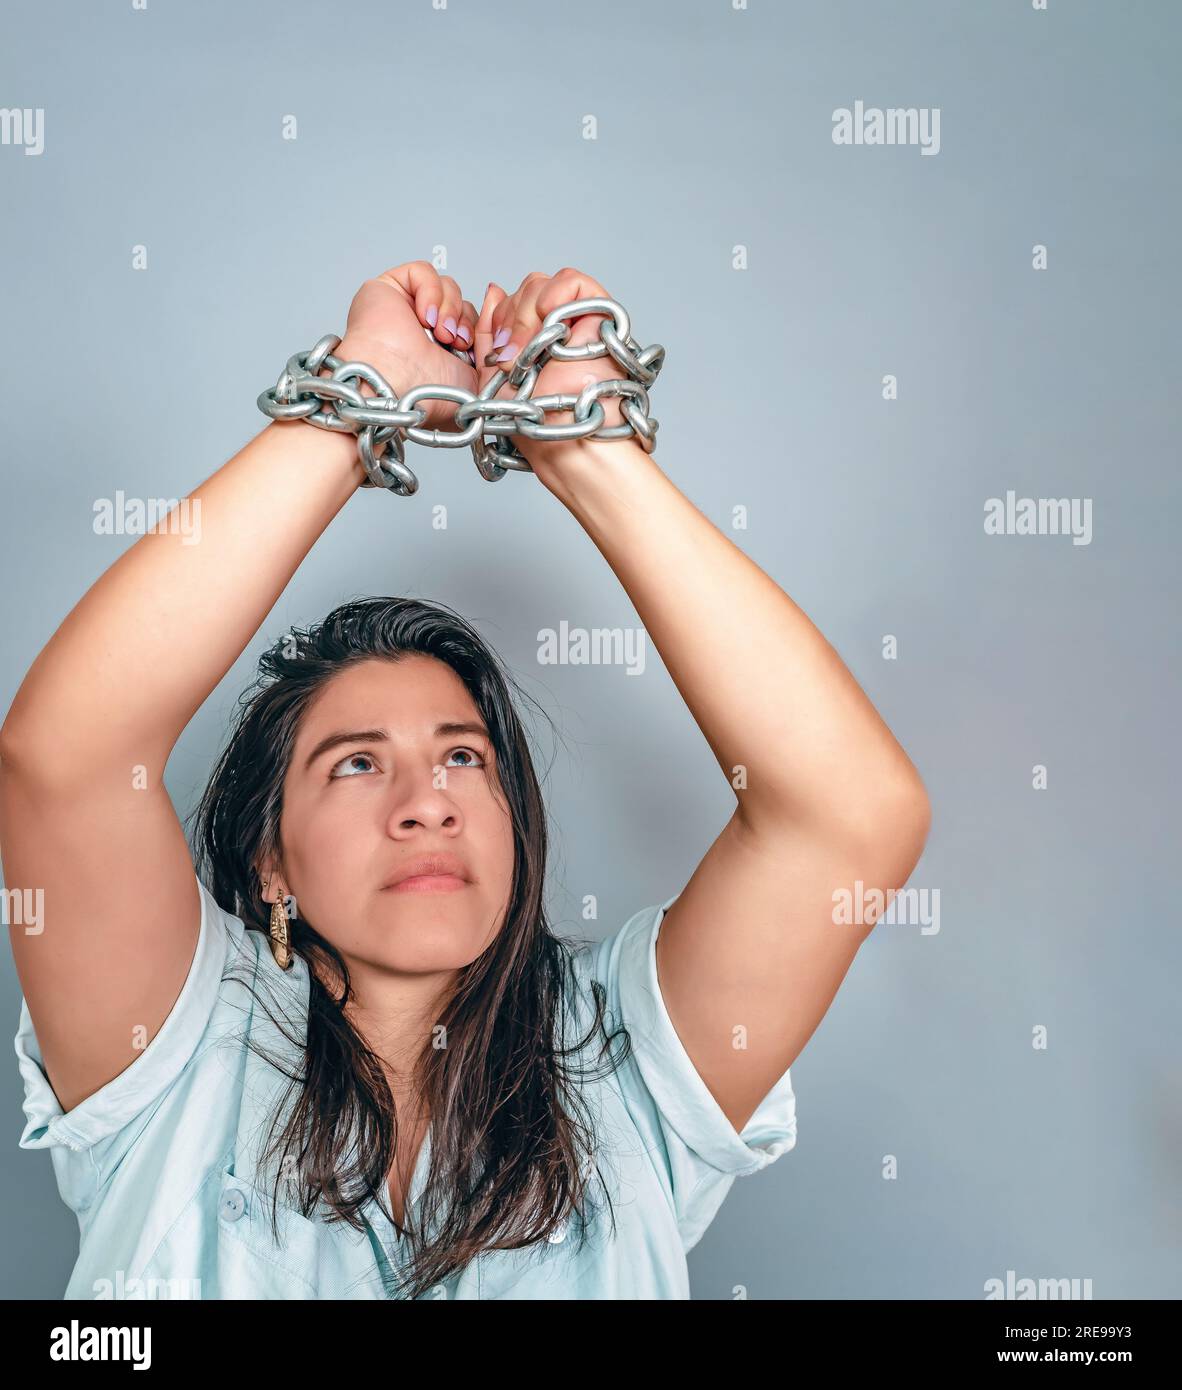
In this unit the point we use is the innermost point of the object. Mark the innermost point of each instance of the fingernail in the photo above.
(508, 355)
(502, 338)
(463, 332)
(432, 315)
(450, 324)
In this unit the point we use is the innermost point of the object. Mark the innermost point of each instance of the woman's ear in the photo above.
(267, 869)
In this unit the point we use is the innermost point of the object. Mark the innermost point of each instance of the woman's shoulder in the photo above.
(662, 1106)
(604, 976)
(615, 963)
(190, 1084)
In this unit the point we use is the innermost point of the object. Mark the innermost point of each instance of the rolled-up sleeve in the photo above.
(698, 1148)
(78, 1138)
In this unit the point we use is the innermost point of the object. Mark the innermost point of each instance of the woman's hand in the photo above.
(508, 322)
(386, 326)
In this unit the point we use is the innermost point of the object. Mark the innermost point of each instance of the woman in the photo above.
(359, 1063)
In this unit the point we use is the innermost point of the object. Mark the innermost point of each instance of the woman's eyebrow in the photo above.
(445, 730)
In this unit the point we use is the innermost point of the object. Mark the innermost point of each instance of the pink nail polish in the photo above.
(501, 338)
(508, 355)
(432, 316)
(463, 332)
(450, 324)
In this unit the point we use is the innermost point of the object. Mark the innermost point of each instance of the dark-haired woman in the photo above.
(349, 1057)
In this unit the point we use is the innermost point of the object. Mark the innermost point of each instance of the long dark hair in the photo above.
(512, 1144)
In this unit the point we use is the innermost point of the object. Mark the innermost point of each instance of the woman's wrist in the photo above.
(315, 447)
(345, 441)
(577, 470)
(399, 376)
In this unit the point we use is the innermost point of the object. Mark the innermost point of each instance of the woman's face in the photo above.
(376, 784)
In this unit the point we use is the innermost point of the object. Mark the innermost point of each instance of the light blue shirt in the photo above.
(161, 1164)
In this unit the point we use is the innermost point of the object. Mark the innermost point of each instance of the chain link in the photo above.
(384, 422)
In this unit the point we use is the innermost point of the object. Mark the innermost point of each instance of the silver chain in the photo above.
(384, 422)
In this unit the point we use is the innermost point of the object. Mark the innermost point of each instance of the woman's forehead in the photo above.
(411, 696)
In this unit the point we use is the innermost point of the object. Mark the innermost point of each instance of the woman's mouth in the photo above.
(428, 883)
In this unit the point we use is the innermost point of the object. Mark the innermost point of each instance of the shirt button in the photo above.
(233, 1204)
(558, 1235)
(438, 1290)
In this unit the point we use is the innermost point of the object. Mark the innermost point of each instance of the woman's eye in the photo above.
(350, 762)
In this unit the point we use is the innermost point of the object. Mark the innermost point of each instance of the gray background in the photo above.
(462, 128)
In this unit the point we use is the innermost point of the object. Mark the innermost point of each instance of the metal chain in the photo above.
(384, 422)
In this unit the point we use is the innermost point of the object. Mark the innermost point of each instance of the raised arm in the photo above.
(752, 951)
(84, 814)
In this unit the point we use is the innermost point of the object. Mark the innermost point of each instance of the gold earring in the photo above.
(278, 935)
